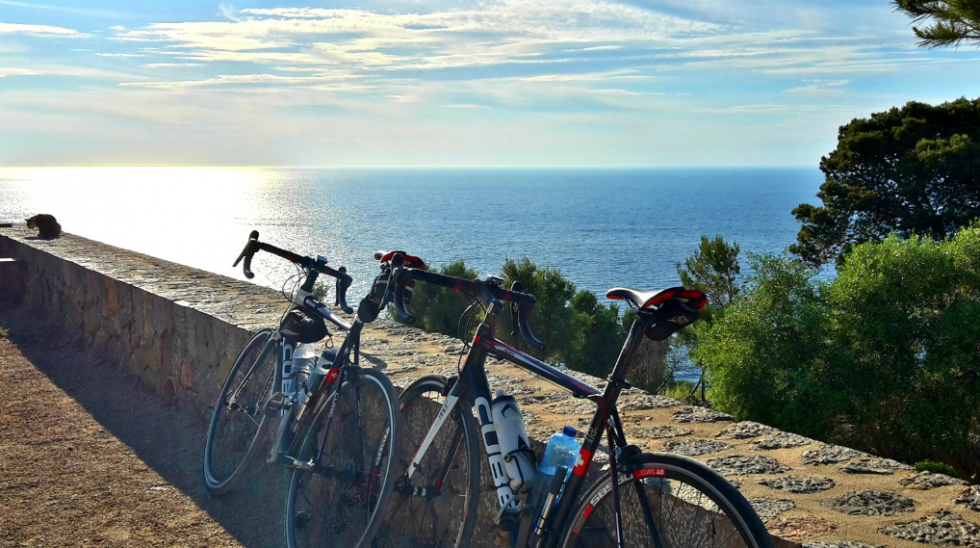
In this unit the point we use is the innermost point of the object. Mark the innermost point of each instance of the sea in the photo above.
(600, 227)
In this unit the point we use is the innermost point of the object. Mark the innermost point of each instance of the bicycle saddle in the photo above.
(646, 299)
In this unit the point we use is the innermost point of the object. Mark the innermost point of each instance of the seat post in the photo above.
(626, 355)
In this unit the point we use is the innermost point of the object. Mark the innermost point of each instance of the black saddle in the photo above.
(645, 299)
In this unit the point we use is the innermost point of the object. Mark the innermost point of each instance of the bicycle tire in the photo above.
(447, 519)
(243, 435)
(340, 501)
(674, 486)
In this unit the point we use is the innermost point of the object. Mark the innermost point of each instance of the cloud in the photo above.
(465, 106)
(244, 79)
(171, 65)
(119, 54)
(39, 30)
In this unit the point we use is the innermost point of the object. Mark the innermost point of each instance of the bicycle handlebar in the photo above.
(308, 263)
(521, 303)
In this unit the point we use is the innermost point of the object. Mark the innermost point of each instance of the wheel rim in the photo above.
(679, 513)
(428, 520)
(335, 504)
(238, 415)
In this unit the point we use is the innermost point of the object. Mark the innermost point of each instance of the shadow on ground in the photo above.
(167, 436)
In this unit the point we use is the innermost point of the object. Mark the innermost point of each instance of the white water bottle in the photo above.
(518, 458)
(304, 359)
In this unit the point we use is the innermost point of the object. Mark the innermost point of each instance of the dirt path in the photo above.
(88, 457)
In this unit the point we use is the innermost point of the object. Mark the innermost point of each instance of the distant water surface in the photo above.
(601, 227)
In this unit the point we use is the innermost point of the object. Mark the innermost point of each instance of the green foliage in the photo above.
(319, 292)
(601, 335)
(884, 357)
(766, 358)
(714, 269)
(437, 310)
(914, 170)
(952, 21)
(4, 334)
(935, 468)
(552, 320)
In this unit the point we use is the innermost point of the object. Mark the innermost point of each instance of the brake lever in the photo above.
(247, 253)
(517, 287)
(341, 288)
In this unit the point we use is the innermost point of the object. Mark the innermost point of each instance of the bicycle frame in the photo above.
(473, 382)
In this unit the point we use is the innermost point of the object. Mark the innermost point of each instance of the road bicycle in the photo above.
(336, 425)
(657, 500)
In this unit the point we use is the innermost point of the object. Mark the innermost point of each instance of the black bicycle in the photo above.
(336, 425)
(657, 500)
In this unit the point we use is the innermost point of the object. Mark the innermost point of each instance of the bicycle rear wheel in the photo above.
(238, 423)
(351, 444)
(437, 509)
(668, 501)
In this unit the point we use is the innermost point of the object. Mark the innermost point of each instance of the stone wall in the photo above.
(179, 330)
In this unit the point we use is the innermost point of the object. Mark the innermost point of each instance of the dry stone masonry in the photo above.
(179, 329)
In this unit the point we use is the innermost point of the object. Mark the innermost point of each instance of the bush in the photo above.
(885, 357)
(437, 310)
(576, 328)
(935, 468)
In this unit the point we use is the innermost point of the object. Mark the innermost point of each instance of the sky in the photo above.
(455, 83)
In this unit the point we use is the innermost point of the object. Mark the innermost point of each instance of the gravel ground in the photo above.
(78, 468)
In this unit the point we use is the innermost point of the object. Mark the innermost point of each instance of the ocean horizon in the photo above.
(602, 227)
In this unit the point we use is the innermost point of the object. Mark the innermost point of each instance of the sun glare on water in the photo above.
(199, 216)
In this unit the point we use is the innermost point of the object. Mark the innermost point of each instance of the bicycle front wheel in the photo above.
(351, 445)
(437, 508)
(667, 501)
(238, 422)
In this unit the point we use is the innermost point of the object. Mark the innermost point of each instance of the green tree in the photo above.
(438, 310)
(950, 21)
(914, 170)
(601, 335)
(714, 269)
(766, 357)
(885, 357)
(552, 320)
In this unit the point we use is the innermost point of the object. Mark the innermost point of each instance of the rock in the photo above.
(970, 498)
(874, 465)
(870, 503)
(659, 432)
(550, 397)
(700, 414)
(782, 440)
(800, 528)
(454, 349)
(800, 484)
(572, 407)
(742, 465)
(648, 401)
(769, 509)
(744, 430)
(841, 544)
(828, 454)
(944, 528)
(929, 480)
(694, 448)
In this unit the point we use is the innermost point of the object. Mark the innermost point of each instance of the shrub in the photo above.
(885, 357)
(935, 468)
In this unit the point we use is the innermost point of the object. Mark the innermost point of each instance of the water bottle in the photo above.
(304, 359)
(556, 465)
(514, 446)
(562, 450)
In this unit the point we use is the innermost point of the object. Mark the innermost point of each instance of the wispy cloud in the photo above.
(39, 30)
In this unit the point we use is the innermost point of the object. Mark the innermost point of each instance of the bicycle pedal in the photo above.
(294, 464)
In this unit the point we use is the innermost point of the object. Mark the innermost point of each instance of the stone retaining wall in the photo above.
(179, 329)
